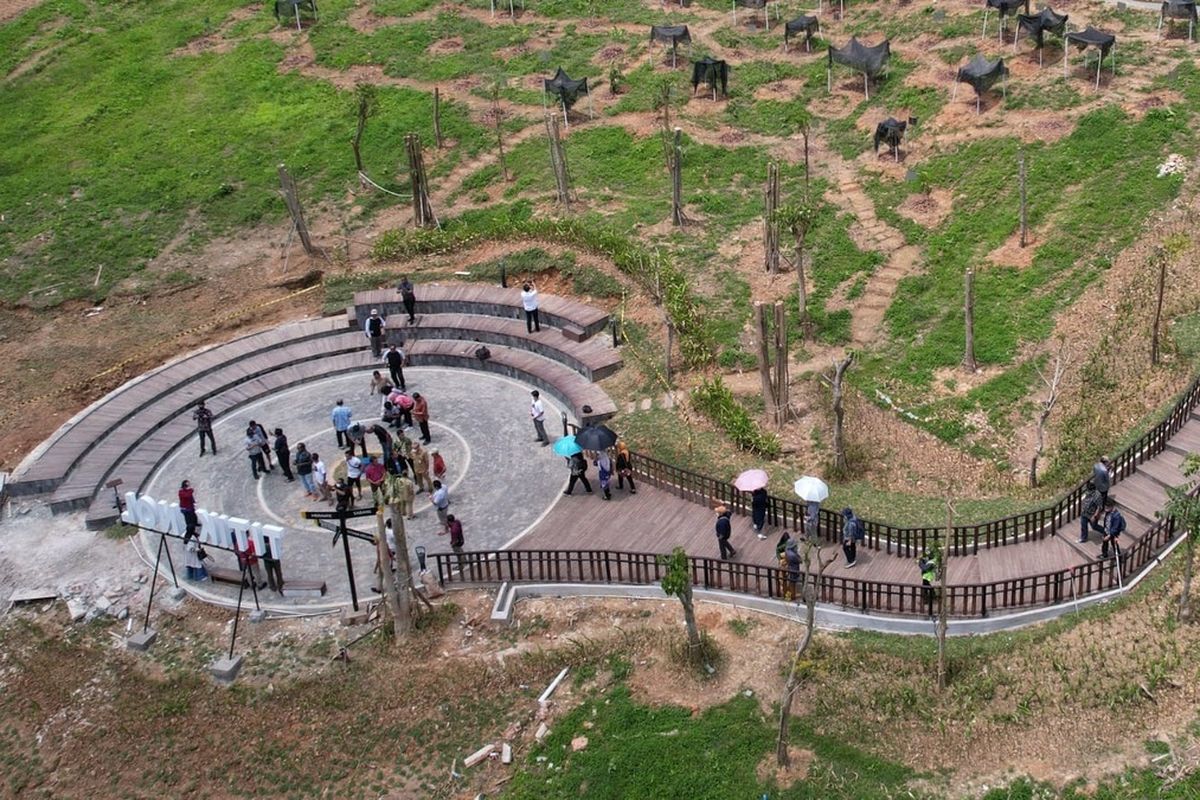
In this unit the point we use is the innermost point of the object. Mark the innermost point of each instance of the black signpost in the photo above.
(341, 517)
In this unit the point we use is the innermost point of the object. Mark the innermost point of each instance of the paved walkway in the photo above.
(501, 481)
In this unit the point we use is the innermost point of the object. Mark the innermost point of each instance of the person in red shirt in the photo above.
(420, 412)
(439, 465)
(187, 504)
(375, 473)
(454, 528)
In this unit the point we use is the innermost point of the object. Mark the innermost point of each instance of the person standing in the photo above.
(604, 471)
(420, 412)
(724, 529)
(248, 561)
(320, 477)
(343, 496)
(1114, 526)
(537, 411)
(852, 534)
(529, 301)
(375, 473)
(438, 464)
(395, 364)
(1089, 516)
(254, 449)
(420, 465)
(375, 326)
(1102, 478)
(441, 502)
(187, 506)
(408, 296)
(266, 443)
(204, 421)
(625, 467)
(354, 470)
(402, 492)
(304, 468)
(283, 454)
(403, 451)
(454, 528)
(758, 511)
(274, 568)
(929, 569)
(341, 416)
(812, 518)
(192, 560)
(791, 557)
(578, 465)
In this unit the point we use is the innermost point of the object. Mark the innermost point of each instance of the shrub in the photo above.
(713, 399)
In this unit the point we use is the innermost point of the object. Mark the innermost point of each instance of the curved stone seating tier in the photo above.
(594, 358)
(49, 465)
(139, 461)
(576, 320)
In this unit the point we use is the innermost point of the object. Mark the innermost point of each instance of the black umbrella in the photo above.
(596, 437)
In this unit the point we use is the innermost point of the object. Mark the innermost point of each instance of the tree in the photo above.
(496, 86)
(400, 608)
(969, 363)
(798, 218)
(942, 556)
(774, 376)
(808, 590)
(364, 94)
(677, 582)
(399, 591)
(1184, 505)
(1052, 382)
(1159, 259)
(841, 464)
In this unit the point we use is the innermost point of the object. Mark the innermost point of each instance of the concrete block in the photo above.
(225, 670)
(350, 617)
(506, 753)
(542, 732)
(479, 755)
(176, 593)
(258, 615)
(142, 640)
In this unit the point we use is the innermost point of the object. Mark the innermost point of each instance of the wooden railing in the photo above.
(912, 541)
(865, 596)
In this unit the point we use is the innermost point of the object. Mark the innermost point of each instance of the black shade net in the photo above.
(712, 72)
(1006, 7)
(889, 132)
(1037, 25)
(1179, 9)
(862, 58)
(564, 88)
(750, 3)
(1092, 38)
(981, 73)
(670, 34)
(806, 25)
(286, 9)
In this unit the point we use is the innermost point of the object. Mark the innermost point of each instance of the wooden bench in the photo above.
(50, 464)
(594, 358)
(482, 299)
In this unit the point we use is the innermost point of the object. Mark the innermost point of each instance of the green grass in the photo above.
(113, 142)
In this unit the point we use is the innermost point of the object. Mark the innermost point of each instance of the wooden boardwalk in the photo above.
(656, 521)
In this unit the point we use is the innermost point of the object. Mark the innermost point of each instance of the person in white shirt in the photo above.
(529, 301)
(320, 478)
(538, 412)
(354, 470)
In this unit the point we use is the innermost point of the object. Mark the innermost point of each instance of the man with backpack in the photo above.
(1093, 505)
(852, 534)
(1114, 526)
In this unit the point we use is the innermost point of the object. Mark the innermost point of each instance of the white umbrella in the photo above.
(812, 490)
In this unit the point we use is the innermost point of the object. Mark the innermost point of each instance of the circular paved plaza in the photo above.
(501, 481)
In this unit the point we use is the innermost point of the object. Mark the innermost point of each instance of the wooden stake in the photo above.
(423, 216)
(770, 222)
(677, 215)
(841, 464)
(781, 366)
(288, 187)
(762, 331)
(1024, 216)
(437, 118)
(969, 363)
(558, 162)
(943, 606)
(1161, 256)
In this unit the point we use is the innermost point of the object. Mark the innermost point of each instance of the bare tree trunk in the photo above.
(1024, 216)
(670, 348)
(781, 366)
(969, 363)
(292, 200)
(804, 132)
(558, 162)
(677, 215)
(403, 609)
(943, 606)
(437, 118)
(387, 583)
(1052, 388)
(770, 221)
(802, 287)
(810, 586)
(1185, 599)
(363, 110)
(1160, 256)
(422, 209)
(840, 462)
(497, 116)
(689, 617)
(761, 327)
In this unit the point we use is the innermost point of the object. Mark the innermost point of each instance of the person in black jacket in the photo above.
(758, 510)
(724, 529)
(395, 362)
(579, 467)
(375, 326)
(283, 454)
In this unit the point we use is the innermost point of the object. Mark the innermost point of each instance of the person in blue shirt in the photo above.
(1114, 526)
(341, 415)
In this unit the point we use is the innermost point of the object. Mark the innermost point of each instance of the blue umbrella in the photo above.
(567, 447)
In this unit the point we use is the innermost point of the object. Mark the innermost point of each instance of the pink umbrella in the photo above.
(751, 479)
